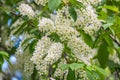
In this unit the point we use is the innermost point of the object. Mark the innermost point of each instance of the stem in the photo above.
(50, 72)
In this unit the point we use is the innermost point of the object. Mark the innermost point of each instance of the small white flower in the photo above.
(81, 50)
(54, 53)
(40, 52)
(65, 32)
(25, 9)
(28, 68)
(45, 24)
(41, 2)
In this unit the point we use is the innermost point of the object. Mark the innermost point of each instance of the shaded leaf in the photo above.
(103, 55)
(73, 13)
(71, 75)
(89, 75)
(53, 4)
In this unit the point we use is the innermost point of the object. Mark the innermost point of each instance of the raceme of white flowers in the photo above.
(25, 9)
(45, 24)
(45, 54)
(87, 20)
(81, 49)
(54, 53)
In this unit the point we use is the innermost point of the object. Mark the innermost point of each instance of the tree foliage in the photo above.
(76, 39)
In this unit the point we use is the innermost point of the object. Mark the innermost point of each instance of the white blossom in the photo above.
(41, 2)
(59, 72)
(81, 74)
(63, 17)
(39, 54)
(81, 49)
(45, 54)
(65, 32)
(87, 20)
(28, 68)
(54, 53)
(92, 2)
(45, 24)
(25, 9)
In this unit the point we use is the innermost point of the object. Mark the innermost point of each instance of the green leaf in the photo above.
(75, 66)
(87, 38)
(100, 70)
(109, 41)
(103, 55)
(27, 40)
(89, 75)
(4, 54)
(20, 29)
(96, 75)
(33, 30)
(71, 75)
(53, 4)
(76, 3)
(1, 60)
(64, 66)
(100, 38)
(116, 27)
(32, 45)
(112, 8)
(73, 13)
(105, 26)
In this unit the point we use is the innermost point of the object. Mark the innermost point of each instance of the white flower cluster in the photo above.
(81, 74)
(62, 27)
(25, 9)
(45, 24)
(59, 72)
(95, 2)
(48, 52)
(54, 53)
(63, 17)
(39, 53)
(65, 32)
(81, 49)
(87, 19)
(92, 2)
(28, 68)
(92, 23)
(41, 2)
(45, 54)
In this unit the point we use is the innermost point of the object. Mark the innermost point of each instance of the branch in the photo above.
(116, 41)
(18, 15)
